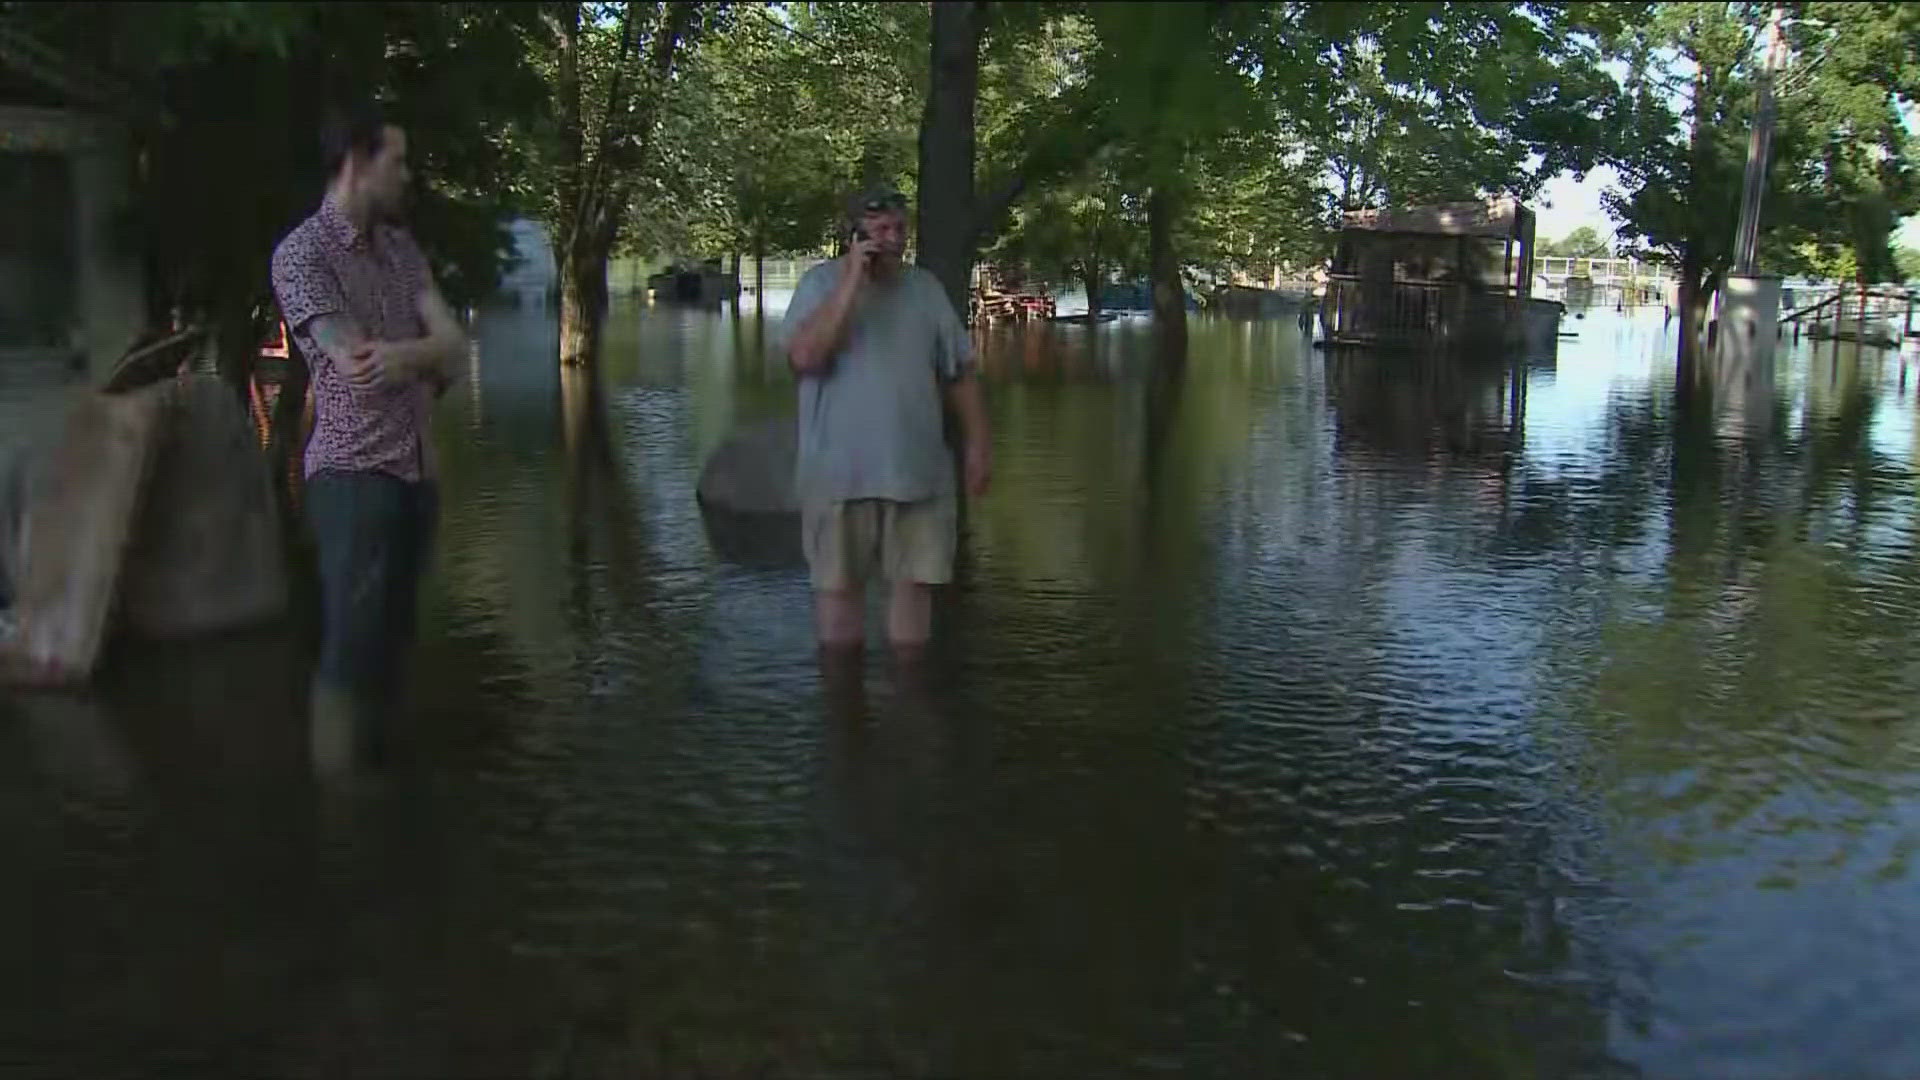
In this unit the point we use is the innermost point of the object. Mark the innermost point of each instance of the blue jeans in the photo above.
(374, 533)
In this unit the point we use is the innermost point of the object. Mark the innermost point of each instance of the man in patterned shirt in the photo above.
(357, 296)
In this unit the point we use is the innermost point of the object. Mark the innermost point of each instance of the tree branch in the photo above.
(676, 22)
(594, 197)
(564, 23)
(1079, 135)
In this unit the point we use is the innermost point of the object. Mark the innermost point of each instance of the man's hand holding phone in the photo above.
(860, 252)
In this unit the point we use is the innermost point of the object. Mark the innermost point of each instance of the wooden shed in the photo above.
(1450, 276)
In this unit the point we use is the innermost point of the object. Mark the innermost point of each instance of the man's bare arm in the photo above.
(970, 405)
(822, 333)
(435, 358)
(340, 337)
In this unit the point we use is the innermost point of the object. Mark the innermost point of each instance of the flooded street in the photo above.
(1295, 716)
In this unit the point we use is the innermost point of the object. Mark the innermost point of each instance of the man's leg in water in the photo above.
(359, 525)
(910, 616)
(839, 619)
(917, 546)
(840, 539)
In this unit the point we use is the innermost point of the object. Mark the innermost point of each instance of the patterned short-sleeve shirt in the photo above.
(329, 266)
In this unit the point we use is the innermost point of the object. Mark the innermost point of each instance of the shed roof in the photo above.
(1497, 218)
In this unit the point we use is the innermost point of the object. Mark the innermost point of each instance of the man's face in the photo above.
(385, 175)
(887, 229)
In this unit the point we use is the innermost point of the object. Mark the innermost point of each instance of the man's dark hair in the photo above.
(357, 128)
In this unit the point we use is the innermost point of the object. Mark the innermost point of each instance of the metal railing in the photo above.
(1608, 271)
(1394, 314)
(1880, 316)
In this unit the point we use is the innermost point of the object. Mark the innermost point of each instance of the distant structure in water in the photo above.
(1449, 276)
(531, 277)
(706, 283)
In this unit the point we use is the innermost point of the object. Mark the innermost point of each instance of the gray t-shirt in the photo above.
(870, 428)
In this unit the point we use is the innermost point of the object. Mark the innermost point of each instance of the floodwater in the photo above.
(1295, 716)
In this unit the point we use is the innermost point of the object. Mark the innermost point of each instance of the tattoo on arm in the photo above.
(337, 335)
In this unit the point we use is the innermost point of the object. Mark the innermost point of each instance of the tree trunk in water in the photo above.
(1090, 276)
(760, 275)
(1689, 303)
(599, 516)
(1692, 265)
(1163, 264)
(733, 269)
(597, 165)
(583, 305)
(946, 211)
(1697, 286)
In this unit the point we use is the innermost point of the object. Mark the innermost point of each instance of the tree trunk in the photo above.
(1163, 265)
(1687, 291)
(583, 303)
(733, 269)
(1692, 265)
(760, 273)
(593, 186)
(946, 211)
(1090, 275)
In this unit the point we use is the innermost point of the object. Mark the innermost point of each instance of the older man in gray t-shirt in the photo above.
(876, 345)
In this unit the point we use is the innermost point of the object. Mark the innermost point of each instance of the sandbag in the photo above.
(206, 554)
(83, 499)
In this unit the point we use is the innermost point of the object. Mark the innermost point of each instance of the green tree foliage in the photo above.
(1176, 81)
(1253, 198)
(608, 69)
(224, 103)
(1842, 172)
(777, 115)
(1582, 243)
(1083, 232)
(1256, 207)
(1042, 119)
(1907, 262)
(1422, 103)
(1222, 112)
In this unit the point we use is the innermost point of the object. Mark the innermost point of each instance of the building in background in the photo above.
(70, 290)
(531, 278)
(72, 296)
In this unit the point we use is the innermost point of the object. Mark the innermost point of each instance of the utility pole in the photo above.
(1759, 152)
(1749, 302)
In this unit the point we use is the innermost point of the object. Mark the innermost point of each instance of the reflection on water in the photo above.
(1297, 715)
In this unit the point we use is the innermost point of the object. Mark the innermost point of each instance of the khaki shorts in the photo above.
(846, 542)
